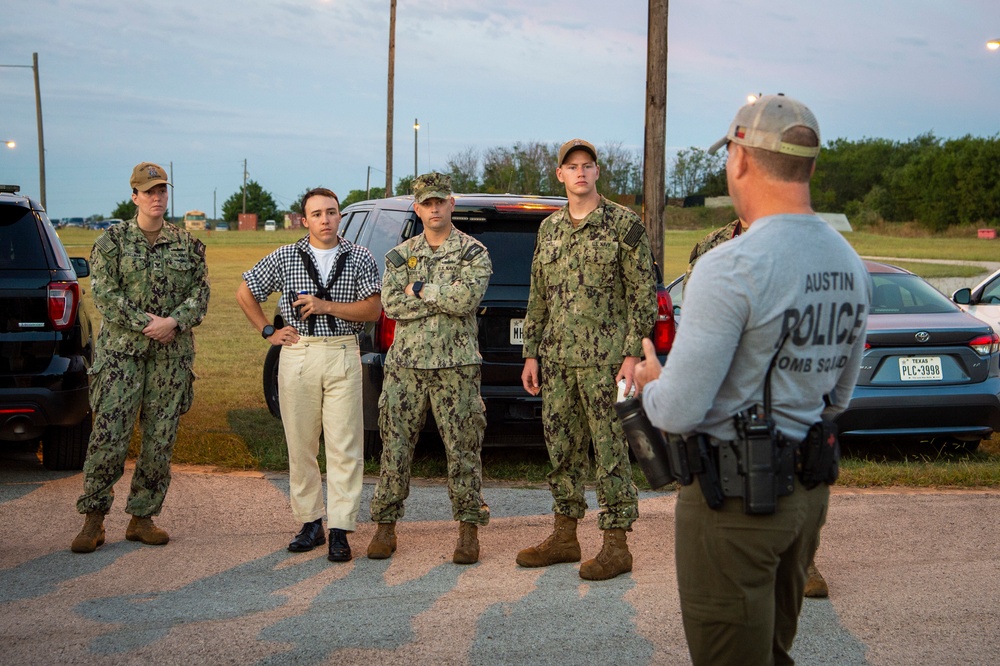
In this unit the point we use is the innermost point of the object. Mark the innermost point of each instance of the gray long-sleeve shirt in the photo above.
(786, 274)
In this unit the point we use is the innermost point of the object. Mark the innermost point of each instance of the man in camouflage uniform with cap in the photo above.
(432, 286)
(150, 282)
(592, 300)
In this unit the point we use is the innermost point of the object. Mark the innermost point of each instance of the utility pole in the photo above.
(389, 109)
(41, 135)
(654, 154)
(172, 218)
(244, 185)
(368, 184)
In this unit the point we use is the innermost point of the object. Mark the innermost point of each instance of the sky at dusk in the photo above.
(297, 88)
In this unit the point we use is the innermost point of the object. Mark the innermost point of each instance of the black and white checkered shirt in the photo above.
(283, 271)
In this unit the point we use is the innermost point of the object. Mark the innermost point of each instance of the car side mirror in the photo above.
(81, 266)
(963, 296)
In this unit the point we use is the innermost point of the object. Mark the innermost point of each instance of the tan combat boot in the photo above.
(92, 534)
(560, 546)
(383, 543)
(467, 548)
(815, 584)
(613, 559)
(143, 529)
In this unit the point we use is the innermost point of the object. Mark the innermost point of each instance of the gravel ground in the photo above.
(913, 576)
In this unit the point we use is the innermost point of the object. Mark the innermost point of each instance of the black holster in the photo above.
(819, 455)
(759, 465)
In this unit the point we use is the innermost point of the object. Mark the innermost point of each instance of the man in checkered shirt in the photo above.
(329, 287)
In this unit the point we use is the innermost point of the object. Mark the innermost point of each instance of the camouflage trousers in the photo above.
(123, 387)
(577, 409)
(453, 396)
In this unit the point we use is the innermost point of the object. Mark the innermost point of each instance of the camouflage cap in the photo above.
(576, 144)
(761, 123)
(146, 175)
(431, 185)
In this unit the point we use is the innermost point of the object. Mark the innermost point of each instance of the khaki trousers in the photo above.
(319, 390)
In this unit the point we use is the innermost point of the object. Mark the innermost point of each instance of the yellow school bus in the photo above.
(194, 220)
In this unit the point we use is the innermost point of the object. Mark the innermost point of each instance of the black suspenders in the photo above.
(322, 291)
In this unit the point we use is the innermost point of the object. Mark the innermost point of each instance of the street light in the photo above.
(416, 128)
(10, 144)
(993, 44)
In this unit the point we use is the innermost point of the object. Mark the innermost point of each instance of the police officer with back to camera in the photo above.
(750, 383)
(815, 583)
(150, 284)
(433, 284)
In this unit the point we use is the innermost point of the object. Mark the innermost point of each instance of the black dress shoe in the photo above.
(340, 550)
(309, 537)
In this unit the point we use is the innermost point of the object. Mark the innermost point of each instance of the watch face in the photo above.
(267, 331)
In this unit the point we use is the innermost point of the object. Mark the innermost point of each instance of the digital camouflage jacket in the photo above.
(130, 277)
(438, 329)
(593, 288)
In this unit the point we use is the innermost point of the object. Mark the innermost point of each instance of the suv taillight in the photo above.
(664, 329)
(985, 345)
(64, 299)
(385, 332)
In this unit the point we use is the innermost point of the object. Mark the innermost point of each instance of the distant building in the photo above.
(293, 220)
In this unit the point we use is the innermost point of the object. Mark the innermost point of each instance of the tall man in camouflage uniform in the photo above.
(816, 586)
(432, 286)
(592, 300)
(150, 283)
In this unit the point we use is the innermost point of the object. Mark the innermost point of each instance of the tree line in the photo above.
(935, 183)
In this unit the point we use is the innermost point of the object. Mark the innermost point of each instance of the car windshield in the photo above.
(511, 246)
(903, 293)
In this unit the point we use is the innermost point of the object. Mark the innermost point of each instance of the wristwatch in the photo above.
(267, 331)
(417, 287)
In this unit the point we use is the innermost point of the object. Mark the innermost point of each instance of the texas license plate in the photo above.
(517, 332)
(920, 369)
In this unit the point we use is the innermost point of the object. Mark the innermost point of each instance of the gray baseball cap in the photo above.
(760, 124)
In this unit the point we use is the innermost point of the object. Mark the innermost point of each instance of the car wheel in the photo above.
(65, 447)
(373, 445)
(970, 447)
(964, 445)
(955, 445)
(271, 380)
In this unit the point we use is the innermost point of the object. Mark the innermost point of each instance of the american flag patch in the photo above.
(634, 235)
(741, 132)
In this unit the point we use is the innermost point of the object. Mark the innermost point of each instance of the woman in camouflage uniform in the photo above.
(150, 282)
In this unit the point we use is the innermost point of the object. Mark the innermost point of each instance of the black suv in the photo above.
(46, 342)
(507, 225)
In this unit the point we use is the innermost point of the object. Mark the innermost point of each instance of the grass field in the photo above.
(229, 425)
